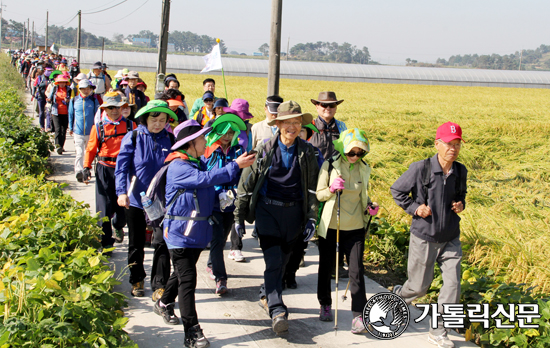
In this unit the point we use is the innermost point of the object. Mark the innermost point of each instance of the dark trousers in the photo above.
(42, 113)
(278, 230)
(136, 243)
(220, 231)
(182, 283)
(61, 122)
(236, 241)
(352, 243)
(160, 272)
(106, 203)
(295, 259)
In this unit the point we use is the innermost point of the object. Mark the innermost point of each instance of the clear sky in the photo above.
(393, 30)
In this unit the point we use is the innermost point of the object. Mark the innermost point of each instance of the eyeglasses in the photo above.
(358, 154)
(327, 106)
(112, 107)
(449, 145)
(293, 124)
(208, 100)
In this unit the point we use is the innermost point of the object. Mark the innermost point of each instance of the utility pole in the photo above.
(1, 37)
(275, 48)
(28, 32)
(102, 49)
(287, 48)
(32, 36)
(46, 39)
(163, 44)
(24, 38)
(78, 37)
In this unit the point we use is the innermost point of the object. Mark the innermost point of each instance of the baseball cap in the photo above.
(448, 132)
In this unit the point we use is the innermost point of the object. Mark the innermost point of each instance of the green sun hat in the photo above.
(312, 127)
(222, 125)
(156, 106)
(351, 138)
(54, 74)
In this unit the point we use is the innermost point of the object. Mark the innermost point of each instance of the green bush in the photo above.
(56, 289)
(388, 245)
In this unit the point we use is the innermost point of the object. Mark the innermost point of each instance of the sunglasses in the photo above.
(358, 154)
(112, 107)
(327, 106)
(208, 100)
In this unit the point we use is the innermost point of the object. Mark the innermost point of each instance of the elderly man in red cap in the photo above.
(433, 191)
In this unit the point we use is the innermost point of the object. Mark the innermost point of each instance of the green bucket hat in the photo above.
(156, 106)
(54, 74)
(222, 125)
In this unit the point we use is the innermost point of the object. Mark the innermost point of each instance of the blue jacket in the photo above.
(77, 122)
(192, 177)
(144, 161)
(219, 160)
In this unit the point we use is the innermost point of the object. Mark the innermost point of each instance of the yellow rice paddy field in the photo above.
(507, 217)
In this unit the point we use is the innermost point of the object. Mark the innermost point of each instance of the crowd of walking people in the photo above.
(212, 171)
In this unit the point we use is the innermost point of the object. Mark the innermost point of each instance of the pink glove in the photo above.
(337, 184)
(373, 210)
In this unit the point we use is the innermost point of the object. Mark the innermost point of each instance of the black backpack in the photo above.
(460, 184)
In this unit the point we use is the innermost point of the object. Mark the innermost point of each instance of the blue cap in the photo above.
(207, 95)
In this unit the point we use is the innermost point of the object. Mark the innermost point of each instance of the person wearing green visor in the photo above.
(50, 127)
(222, 148)
(142, 154)
(348, 174)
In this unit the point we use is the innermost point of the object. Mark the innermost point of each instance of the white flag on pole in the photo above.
(213, 60)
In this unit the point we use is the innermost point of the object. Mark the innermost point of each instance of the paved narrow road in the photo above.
(236, 320)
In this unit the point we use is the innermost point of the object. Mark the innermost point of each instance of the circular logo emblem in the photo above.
(386, 316)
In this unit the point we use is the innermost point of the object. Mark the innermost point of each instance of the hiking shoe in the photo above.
(221, 287)
(279, 323)
(441, 341)
(325, 313)
(397, 289)
(80, 177)
(195, 338)
(357, 325)
(236, 255)
(210, 273)
(302, 262)
(167, 313)
(290, 282)
(137, 289)
(119, 235)
(263, 304)
(342, 273)
(59, 150)
(157, 294)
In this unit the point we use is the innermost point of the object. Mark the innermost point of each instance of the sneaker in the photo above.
(157, 294)
(279, 323)
(167, 313)
(290, 282)
(119, 235)
(137, 289)
(236, 255)
(80, 177)
(397, 289)
(195, 338)
(59, 150)
(441, 341)
(325, 313)
(357, 326)
(221, 287)
(263, 304)
(254, 234)
(210, 273)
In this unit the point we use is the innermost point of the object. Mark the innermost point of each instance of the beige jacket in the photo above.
(260, 132)
(324, 194)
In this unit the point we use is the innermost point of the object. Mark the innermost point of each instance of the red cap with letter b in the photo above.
(448, 132)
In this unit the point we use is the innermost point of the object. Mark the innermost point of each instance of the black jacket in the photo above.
(444, 224)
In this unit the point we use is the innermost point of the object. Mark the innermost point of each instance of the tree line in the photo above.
(326, 52)
(530, 60)
(184, 41)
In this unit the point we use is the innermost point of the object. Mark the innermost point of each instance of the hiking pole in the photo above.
(337, 259)
(344, 297)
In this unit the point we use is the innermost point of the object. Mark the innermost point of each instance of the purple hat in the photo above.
(188, 131)
(239, 107)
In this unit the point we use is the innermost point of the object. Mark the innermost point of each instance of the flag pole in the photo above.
(223, 73)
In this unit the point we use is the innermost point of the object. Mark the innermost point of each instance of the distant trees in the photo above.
(264, 49)
(331, 52)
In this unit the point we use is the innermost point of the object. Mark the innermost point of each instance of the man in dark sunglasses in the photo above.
(329, 127)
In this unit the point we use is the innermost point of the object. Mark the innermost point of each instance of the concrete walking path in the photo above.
(236, 320)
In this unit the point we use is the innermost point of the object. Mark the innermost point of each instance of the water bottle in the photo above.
(152, 209)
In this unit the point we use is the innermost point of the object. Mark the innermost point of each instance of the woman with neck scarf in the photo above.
(348, 174)
(190, 199)
(223, 148)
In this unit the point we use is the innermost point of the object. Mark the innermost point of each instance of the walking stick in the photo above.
(337, 259)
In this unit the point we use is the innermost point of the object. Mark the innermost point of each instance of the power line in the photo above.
(117, 20)
(108, 8)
